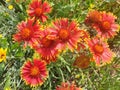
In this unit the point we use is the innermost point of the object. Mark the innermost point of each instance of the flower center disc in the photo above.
(106, 25)
(98, 48)
(25, 33)
(63, 34)
(34, 71)
(2, 56)
(46, 42)
(38, 11)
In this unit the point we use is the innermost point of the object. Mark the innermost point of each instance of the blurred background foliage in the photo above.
(92, 78)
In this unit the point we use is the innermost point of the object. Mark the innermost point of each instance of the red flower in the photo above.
(107, 27)
(28, 32)
(83, 61)
(47, 47)
(67, 86)
(34, 73)
(93, 17)
(39, 9)
(100, 50)
(67, 33)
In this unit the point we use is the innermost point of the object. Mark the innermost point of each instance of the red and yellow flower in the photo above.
(47, 47)
(67, 86)
(34, 73)
(82, 61)
(28, 32)
(39, 9)
(107, 28)
(68, 33)
(101, 52)
(93, 17)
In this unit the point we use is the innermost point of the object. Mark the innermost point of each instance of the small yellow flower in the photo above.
(7, 0)
(8, 88)
(1, 36)
(10, 7)
(3, 54)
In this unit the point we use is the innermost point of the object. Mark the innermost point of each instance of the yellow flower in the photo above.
(3, 54)
(8, 88)
(0, 35)
(7, 0)
(10, 7)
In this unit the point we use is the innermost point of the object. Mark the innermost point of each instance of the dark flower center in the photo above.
(25, 33)
(106, 25)
(2, 56)
(98, 48)
(46, 42)
(34, 71)
(38, 11)
(63, 34)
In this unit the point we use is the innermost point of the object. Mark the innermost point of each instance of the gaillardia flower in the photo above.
(82, 61)
(2, 54)
(100, 50)
(67, 32)
(47, 46)
(67, 86)
(107, 28)
(28, 32)
(93, 17)
(34, 72)
(39, 9)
